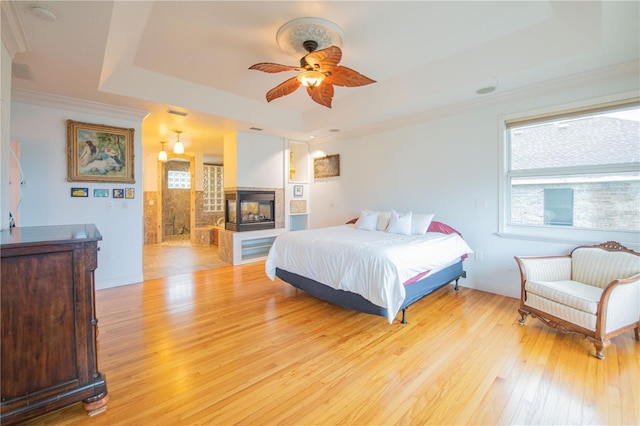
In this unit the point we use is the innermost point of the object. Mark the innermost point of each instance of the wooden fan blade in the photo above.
(322, 94)
(343, 76)
(325, 59)
(285, 88)
(273, 68)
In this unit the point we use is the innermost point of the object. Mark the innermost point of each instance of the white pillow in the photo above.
(420, 223)
(400, 223)
(383, 221)
(367, 220)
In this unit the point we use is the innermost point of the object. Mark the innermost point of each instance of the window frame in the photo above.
(555, 233)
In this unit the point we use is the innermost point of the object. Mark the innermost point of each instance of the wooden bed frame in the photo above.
(353, 301)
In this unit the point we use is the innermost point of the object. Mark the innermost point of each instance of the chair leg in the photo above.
(600, 346)
(599, 350)
(523, 314)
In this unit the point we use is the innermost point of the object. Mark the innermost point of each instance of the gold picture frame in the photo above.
(327, 166)
(99, 153)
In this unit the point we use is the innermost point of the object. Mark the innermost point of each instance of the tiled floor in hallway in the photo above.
(169, 259)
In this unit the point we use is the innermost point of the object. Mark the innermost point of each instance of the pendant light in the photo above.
(162, 155)
(178, 147)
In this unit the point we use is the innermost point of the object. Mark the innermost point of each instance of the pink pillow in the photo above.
(441, 227)
(445, 229)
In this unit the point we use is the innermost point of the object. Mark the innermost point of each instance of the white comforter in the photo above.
(373, 264)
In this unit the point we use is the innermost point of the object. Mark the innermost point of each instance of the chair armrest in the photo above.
(542, 268)
(619, 304)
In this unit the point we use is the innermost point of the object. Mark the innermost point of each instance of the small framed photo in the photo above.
(129, 192)
(79, 192)
(297, 190)
(100, 192)
(118, 193)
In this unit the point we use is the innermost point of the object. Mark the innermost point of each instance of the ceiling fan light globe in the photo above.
(311, 78)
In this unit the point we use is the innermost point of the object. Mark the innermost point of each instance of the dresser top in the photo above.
(53, 234)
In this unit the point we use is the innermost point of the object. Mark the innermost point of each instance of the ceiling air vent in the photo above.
(22, 71)
(176, 112)
(257, 129)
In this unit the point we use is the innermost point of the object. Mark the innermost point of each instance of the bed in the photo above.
(369, 271)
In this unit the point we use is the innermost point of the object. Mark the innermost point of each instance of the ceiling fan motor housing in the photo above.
(310, 45)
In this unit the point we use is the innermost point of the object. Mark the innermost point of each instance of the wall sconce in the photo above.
(178, 147)
(162, 155)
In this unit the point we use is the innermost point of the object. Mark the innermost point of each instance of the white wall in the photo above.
(5, 114)
(253, 160)
(447, 165)
(260, 160)
(41, 131)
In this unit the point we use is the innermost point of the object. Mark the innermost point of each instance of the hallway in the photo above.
(178, 257)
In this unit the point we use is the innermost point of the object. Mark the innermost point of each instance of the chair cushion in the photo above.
(570, 293)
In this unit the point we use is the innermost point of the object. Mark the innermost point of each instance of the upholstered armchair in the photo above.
(594, 291)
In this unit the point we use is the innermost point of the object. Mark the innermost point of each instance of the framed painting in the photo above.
(118, 193)
(298, 206)
(297, 190)
(327, 166)
(99, 153)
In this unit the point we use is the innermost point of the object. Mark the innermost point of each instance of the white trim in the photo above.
(596, 237)
(491, 287)
(73, 104)
(13, 35)
(582, 104)
(119, 281)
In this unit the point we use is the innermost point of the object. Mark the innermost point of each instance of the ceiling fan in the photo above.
(319, 72)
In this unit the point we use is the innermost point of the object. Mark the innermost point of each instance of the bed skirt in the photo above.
(353, 301)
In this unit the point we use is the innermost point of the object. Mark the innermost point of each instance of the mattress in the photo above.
(373, 264)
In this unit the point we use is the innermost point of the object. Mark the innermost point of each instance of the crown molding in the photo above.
(625, 70)
(73, 104)
(13, 35)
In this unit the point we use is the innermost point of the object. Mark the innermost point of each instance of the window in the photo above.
(573, 173)
(213, 188)
(178, 179)
(558, 206)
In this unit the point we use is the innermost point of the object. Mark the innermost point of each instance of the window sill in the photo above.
(624, 238)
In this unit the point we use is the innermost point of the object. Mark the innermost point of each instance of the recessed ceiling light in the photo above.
(43, 12)
(485, 90)
(489, 87)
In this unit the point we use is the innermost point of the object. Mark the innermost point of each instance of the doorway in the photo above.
(176, 199)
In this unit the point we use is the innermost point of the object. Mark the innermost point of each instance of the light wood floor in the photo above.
(229, 346)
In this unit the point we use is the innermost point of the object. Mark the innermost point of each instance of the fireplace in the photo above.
(249, 210)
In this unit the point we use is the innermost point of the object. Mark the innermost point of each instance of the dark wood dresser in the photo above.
(49, 327)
